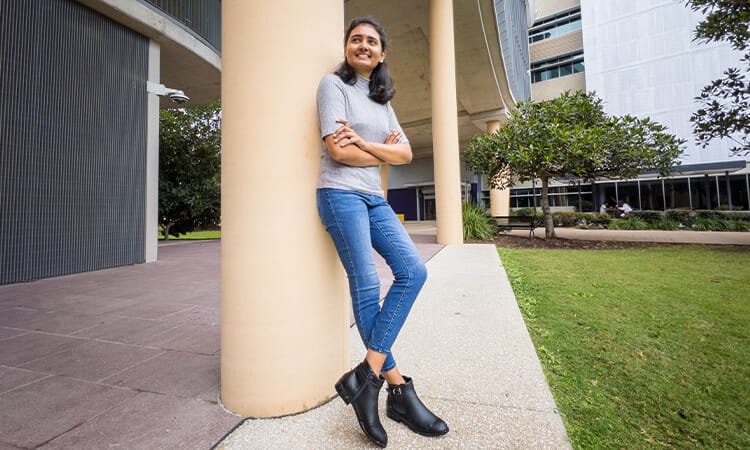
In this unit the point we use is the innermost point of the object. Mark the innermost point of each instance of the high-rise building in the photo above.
(641, 59)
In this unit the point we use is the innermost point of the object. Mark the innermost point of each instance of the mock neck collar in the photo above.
(362, 83)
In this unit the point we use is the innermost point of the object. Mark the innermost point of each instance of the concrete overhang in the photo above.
(711, 168)
(192, 65)
(187, 62)
(482, 90)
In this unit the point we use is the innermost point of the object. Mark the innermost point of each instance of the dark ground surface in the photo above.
(511, 241)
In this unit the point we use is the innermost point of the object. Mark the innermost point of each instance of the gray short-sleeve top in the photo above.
(372, 122)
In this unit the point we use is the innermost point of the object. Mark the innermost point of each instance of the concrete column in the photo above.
(385, 170)
(499, 198)
(445, 124)
(284, 317)
(151, 226)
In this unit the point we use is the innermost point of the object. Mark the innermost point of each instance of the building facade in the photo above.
(640, 59)
(498, 41)
(79, 158)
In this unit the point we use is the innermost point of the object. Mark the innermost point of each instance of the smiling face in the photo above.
(364, 50)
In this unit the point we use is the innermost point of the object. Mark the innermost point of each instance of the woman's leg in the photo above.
(390, 240)
(345, 215)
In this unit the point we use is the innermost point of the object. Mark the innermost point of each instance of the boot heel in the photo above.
(393, 416)
(404, 406)
(360, 388)
(343, 393)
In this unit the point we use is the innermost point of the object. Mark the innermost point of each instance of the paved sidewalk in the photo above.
(129, 357)
(467, 348)
(125, 357)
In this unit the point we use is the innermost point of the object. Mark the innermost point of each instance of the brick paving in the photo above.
(126, 357)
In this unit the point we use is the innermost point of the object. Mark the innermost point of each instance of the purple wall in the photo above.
(404, 201)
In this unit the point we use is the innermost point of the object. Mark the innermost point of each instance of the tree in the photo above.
(724, 110)
(570, 136)
(189, 168)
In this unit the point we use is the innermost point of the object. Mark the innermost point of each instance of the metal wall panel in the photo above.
(201, 16)
(514, 40)
(72, 140)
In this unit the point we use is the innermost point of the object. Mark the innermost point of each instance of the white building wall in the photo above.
(641, 59)
(421, 171)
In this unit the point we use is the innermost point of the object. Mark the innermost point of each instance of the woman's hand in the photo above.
(347, 136)
(394, 137)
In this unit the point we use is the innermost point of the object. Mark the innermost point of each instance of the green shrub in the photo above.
(708, 214)
(578, 219)
(736, 215)
(477, 223)
(649, 216)
(711, 224)
(539, 219)
(739, 225)
(666, 224)
(601, 219)
(567, 218)
(522, 212)
(727, 208)
(680, 216)
(631, 223)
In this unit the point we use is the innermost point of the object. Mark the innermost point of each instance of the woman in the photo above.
(360, 132)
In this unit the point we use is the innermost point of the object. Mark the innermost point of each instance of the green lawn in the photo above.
(213, 234)
(642, 348)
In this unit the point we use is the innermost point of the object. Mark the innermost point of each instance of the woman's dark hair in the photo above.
(381, 84)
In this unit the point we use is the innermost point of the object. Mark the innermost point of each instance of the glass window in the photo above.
(738, 186)
(678, 193)
(587, 203)
(704, 192)
(652, 197)
(556, 25)
(606, 193)
(627, 191)
(557, 67)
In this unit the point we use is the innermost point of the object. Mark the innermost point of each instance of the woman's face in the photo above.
(363, 50)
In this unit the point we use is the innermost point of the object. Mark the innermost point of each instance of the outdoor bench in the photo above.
(516, 222)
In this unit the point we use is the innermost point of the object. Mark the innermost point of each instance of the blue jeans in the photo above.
(359, 223)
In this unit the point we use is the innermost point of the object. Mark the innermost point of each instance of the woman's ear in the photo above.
(382, 57)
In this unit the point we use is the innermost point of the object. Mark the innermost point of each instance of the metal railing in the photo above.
(201, 16)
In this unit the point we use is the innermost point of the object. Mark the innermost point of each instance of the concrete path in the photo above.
(467, 348)
(129, 357)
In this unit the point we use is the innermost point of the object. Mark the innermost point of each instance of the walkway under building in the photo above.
(130, 357)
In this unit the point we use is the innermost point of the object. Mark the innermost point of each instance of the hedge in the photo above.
(671, 219)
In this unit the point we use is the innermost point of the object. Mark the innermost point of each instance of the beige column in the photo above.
(385, 170)
(284, 317)
(445, 124)
(499, 198)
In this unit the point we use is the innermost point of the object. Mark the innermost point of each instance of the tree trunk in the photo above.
(166, 231)
(549, 226)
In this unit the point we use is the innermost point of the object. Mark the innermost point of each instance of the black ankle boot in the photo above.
(403, 405)
(360, 387)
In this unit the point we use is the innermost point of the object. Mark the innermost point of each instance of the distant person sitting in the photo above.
(623, 208)
(603, 208)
